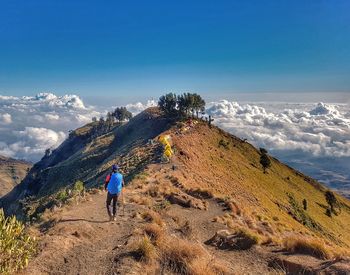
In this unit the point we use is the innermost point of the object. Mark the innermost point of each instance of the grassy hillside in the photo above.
(12, 172)
(220, 164)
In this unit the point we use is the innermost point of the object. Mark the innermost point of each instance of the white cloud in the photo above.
(5, 118)
(138, 107)
(322, 130)
(31, 124)
(310, 137)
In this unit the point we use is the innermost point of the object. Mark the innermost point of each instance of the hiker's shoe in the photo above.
(110, 218)
(114, 218)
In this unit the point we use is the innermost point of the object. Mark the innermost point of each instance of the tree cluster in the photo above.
(185, 105)
(122, 114)
(104, 125)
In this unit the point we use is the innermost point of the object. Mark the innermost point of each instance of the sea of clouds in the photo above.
(314, 138)
(31, 124)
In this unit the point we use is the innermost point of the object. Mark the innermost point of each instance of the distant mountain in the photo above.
(12, 172)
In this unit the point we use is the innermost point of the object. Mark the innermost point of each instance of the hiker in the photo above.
(113, 184)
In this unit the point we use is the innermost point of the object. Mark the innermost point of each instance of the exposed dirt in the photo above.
(79, 239)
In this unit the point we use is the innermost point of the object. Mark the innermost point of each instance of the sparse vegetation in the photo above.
(332, 202)
(16, 246)
(178, 255)
(145, 250)
(152, 216)
(154, 232)
(300, 215)
(246, 238)
(223, 143)
(62, 196)
(314, 247)
(78, 187)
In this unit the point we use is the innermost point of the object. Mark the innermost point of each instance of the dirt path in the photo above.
(83, 241)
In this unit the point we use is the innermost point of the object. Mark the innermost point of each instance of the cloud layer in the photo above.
(322, 130)
(30, 125)
(313, 138)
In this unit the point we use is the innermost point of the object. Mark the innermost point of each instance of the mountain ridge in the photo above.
(214, 181)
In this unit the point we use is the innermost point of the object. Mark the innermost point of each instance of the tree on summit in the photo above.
(168, 103)
(122, 114)
(183, 105)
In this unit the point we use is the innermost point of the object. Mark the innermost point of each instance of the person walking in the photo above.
(113, 184)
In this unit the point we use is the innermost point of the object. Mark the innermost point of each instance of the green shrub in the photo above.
(16, 246)
(62, 196)
(78, 187)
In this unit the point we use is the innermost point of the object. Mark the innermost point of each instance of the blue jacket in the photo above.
(115, 183)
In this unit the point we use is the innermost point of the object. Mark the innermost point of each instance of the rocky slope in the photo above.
(12, 172)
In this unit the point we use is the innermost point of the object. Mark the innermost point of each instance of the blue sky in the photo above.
(132, 49)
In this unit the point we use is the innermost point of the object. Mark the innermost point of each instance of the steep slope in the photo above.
(12, 172)
(86, 157)
(233, 171)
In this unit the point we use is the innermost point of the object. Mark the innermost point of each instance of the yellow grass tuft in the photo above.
(152, 216)
(314, 247)
(154, 232)
(178, 255)
(145, 250)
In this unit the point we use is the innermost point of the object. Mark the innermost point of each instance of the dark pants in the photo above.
(110, 198)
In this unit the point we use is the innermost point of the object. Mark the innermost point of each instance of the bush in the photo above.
(154, 232)
(178, 255)
(78, 187)
(16, 246)
(152, 216)
(62, 196)
(145, 250)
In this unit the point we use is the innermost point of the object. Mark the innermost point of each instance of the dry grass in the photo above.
(177, 255)
(200, 267)
(202, 193)
(248, 234)
(155, 233)
(145, 250)
(181, 256)
(233, 206)
(152, 216)
(141, 200)
(314, 247)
